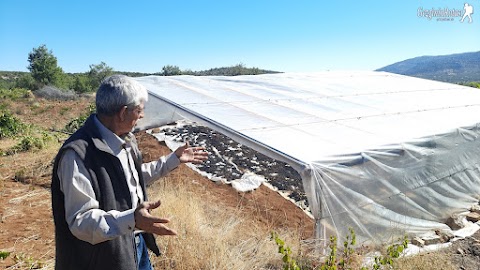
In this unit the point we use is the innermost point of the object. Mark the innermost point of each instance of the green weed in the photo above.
(27, 262)
(77, 122)
(9, 125)
(288, 262)
(393, 252)
(64, 110)
(331, 263)
(345, 261)
(15, 93)
(31, 143)
(4, 254)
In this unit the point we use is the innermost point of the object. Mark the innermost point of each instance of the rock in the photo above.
(473, 217)
(474, 250)
(475, 208)
(432, 240)
(156, 130)
(418, 241)
(29, 95)
(455, 222)
(445, 236)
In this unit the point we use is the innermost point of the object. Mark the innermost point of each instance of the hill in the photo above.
(455, 68)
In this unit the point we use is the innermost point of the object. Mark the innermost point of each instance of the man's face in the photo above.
(132, 115)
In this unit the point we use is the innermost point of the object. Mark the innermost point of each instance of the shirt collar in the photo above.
(111, 139)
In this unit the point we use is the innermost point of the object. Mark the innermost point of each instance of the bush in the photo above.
(344, 260)
(28, 143)
(289, 263)
(53, 93)
(26, 81)
(77, 122)
(31, 143)
(471, 84)
(9, 125)
(82, 84)
(15, 93)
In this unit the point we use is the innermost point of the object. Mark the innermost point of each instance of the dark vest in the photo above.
(111, 191)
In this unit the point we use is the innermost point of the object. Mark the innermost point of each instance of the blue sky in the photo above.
(290, 36)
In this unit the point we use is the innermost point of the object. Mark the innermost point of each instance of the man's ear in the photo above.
(122, 114)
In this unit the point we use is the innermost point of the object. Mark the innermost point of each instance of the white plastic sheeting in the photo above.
(384, 154)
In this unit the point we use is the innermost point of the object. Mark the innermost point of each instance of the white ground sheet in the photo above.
(382, 153)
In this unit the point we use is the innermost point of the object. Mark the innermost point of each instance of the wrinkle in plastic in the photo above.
(384, 154)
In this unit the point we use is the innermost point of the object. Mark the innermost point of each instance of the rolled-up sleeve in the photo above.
(86, 221)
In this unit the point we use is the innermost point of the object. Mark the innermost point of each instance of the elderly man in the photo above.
(99, 201)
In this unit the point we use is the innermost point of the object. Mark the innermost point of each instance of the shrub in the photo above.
(15, 93)
(289, 263)
(9, 125)
(472, 84)
(82, 84)
(393, 252)
(77, 122)
(53, 93)
(344, 260)
(26, 81)
(31, 143)
(4, 254)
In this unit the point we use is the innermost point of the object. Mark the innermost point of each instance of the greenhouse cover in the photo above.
(383, 154)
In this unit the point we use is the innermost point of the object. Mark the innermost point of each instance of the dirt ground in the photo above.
(26, 225)
(265, 205)
(466, 253)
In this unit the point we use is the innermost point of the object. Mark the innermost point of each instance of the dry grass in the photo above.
(31, 167)
(426, 261)
(210, 235)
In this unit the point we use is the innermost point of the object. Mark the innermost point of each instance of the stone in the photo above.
(445, 236)
(156, 130)
(475, 208)
(418, 241)
(455, 222)
(473, 217)
(432, 240)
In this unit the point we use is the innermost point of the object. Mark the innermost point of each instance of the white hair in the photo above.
(117, 91)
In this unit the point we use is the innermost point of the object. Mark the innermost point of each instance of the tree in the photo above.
(97, 73)
(43, 66)
(82, 83)
(169, 70)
